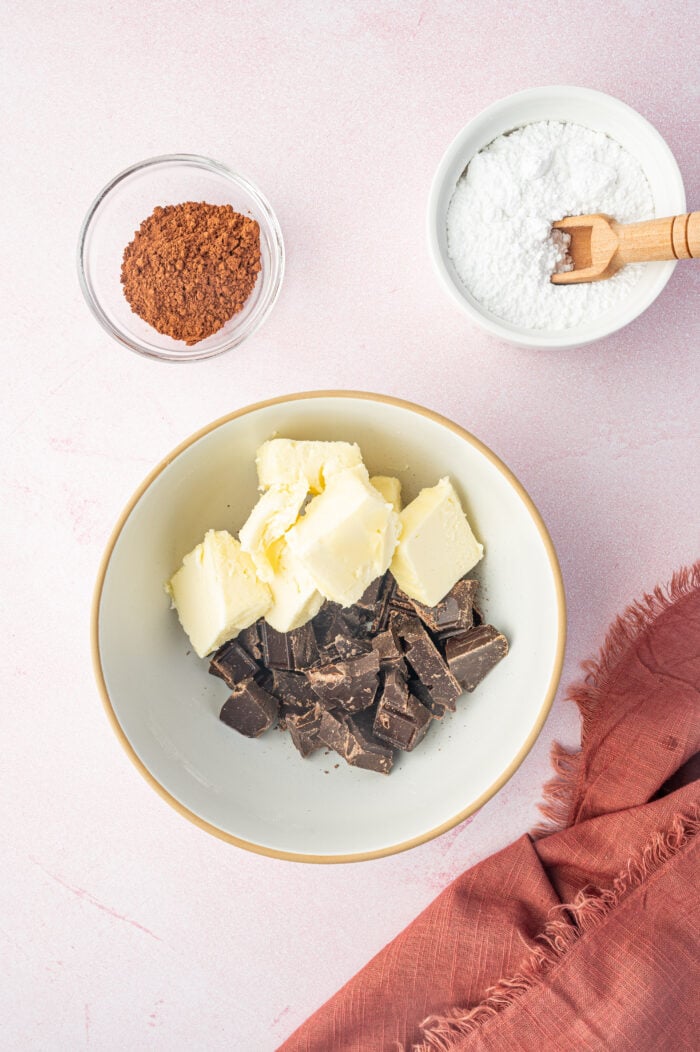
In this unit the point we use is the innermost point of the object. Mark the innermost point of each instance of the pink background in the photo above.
(121, 925)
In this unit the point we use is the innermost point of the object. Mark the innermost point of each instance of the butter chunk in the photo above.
(437, 546)
(216, 592)
(295, 598)
(285, 461)
(275, 512)
(346, 537)
(390, 489)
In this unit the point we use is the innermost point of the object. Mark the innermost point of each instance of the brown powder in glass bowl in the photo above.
(190, 268)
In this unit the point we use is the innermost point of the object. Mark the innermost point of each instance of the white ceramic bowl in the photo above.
(260, 794)
(580, 106)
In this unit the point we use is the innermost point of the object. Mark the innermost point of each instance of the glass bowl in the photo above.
(117, 212)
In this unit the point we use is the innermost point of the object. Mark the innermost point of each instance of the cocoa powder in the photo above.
(190, 268)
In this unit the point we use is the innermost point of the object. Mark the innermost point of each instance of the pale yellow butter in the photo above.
(437, 545)
(390, 489)
(295, 598)
(275, 512)
(216, 592)
(346, 537)
(286, 461)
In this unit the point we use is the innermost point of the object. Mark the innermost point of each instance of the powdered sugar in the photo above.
(499, 221)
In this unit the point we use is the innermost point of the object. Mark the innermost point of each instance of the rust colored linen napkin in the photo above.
(586, 934)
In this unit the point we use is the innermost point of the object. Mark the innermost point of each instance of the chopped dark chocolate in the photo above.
(292, 690)
(250, 710)
(427, 662)
(402, 730)
(400, 719)
(383, 608)
(350, 684)
(249, 639)
(370, 597)
(233, 664)
(400, 601)
(349, 647)
(345, 736)
(361, 680)
(304, 647)
(329, 623)
(473, 654)
(371, 612)
(303, 728)
(359, 621)
(289, 650)
(436, 709)
(454, 612)
(389, 649)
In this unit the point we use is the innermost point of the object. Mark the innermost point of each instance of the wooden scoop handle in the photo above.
(674, 237)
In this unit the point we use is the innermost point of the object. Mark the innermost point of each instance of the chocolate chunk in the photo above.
(249, 639)
(370, 613)
(370, 597)
(305, 647)
(292, 690)
(389, 649)
(349, 647)
(303, 728)
(289, 650)
(359, 621)
(473, 654)
(400, 719)
(427, 662)
(233, 664)
(329, 623)
(383, 608)
(345, 736)
(454, 613)
(250, 710)
(436, 709)
(351, 684)
(400, 601)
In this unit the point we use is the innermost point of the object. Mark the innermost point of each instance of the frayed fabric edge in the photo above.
(589, 909)
(559, 793)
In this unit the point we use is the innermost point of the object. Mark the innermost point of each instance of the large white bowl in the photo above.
(260, 794)
(558, 103)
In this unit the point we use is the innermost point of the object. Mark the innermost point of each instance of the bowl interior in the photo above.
(593, 110)
(119, 212)
(261, 791)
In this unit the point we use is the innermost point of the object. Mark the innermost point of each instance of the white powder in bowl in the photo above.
(499, 222)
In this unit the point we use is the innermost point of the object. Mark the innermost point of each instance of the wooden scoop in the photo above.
(600, 246)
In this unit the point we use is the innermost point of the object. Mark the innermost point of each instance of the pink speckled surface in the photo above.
(121, 925)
